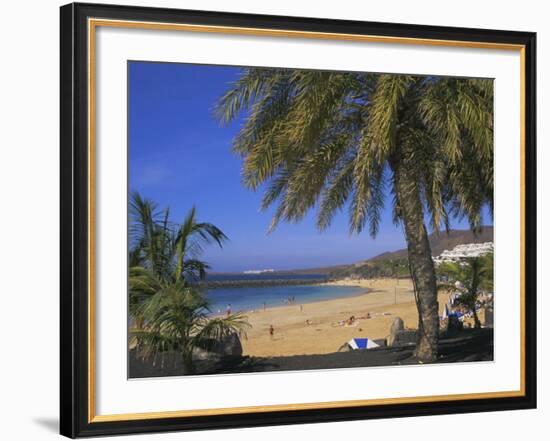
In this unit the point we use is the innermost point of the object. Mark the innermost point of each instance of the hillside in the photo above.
(395, 264)
(442, 241)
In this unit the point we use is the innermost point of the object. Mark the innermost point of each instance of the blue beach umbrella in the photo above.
(362, 343)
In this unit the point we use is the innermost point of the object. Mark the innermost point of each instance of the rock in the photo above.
(397, 326)
(345, 348)
(382, 342)
(230, 345)
(399, 336)
(203, 355)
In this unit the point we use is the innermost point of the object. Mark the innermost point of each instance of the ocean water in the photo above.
(248, 298)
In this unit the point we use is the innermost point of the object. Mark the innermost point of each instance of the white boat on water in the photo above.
(262, 271)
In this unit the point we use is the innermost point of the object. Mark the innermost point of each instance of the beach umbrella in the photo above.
(362, 343)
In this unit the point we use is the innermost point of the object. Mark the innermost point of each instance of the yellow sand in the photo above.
(292, 336)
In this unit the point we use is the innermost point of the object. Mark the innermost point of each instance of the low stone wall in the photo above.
(404, 338)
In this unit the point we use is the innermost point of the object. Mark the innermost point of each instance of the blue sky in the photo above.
(180, 156)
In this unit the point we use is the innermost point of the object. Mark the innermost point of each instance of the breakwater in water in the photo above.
(212, 284)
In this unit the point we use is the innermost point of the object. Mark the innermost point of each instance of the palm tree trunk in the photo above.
(187, 357)
(420, 262)
(477, 323)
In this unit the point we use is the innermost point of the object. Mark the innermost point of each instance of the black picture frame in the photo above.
(74, 325)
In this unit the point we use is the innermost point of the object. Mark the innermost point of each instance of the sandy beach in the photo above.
(384, 299)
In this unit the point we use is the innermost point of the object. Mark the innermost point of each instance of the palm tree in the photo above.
(169, 251)
(169, 313)
(332, 140)
(175, 318)
(474, 274)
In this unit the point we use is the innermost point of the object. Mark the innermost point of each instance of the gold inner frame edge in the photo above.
(92, 25)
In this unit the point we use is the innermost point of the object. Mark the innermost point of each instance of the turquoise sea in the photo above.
(248, 298)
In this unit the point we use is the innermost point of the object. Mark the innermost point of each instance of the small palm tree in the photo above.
(330, 140)
(176, 319)
(473, 274)
(169, 313)
(167, 250)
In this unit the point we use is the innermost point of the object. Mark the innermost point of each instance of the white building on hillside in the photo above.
(465, 250)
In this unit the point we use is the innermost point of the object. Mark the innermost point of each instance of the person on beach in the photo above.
(271, 331)
(264, 306)
(228, 309)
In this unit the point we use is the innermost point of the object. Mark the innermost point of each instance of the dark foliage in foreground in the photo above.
(470, 345)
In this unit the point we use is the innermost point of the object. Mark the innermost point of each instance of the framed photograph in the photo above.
(274, 220)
